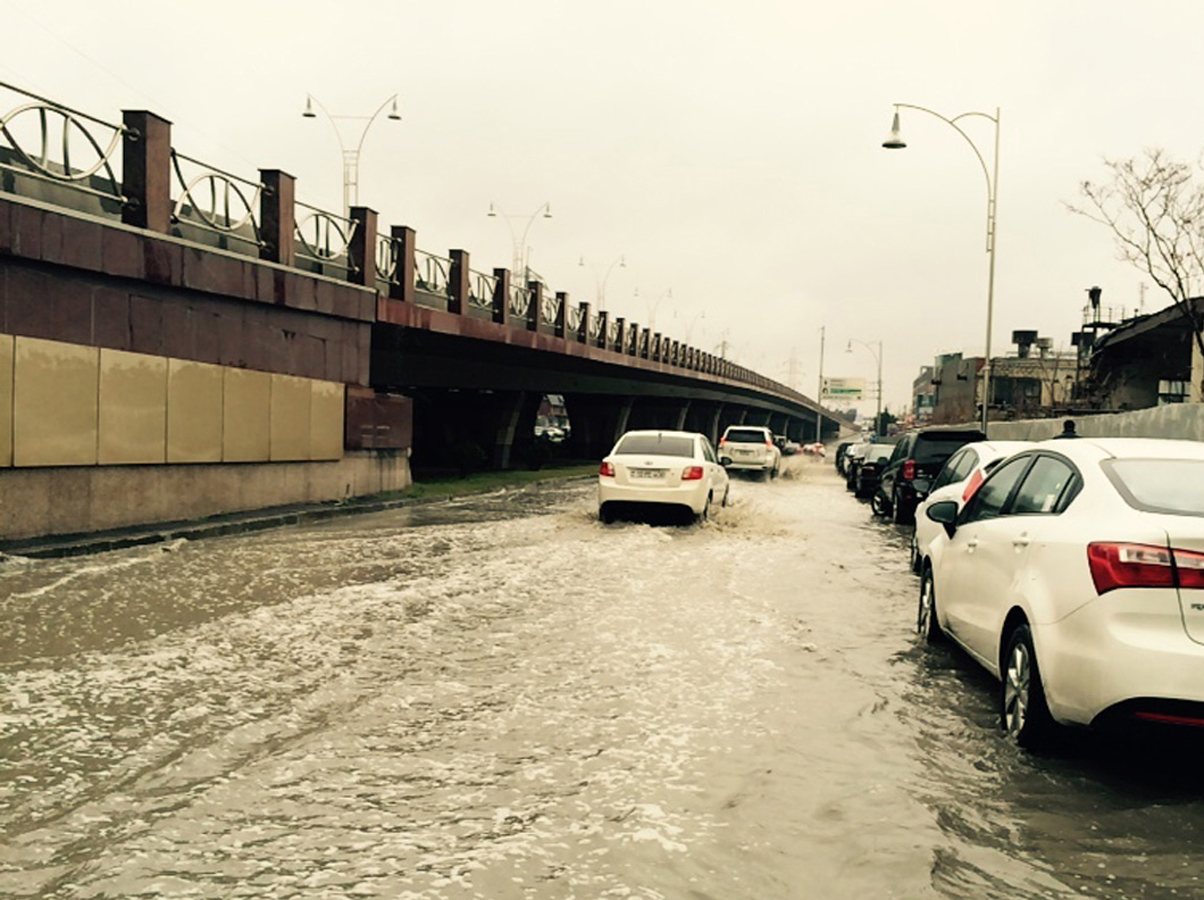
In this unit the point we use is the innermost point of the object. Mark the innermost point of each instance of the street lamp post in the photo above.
(819, 395)
(600, 283)
(351, 154)
(877, 354)
(520, 263)
(895, 142)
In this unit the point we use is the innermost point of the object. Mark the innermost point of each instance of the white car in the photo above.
(750, 448)
(674, 468)
(1075, 575)
(963, 472)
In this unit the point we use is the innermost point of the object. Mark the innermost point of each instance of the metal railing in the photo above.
(324, 238)
(549, 310)
(481, 288)
(54, 144)
(388, 255)
(432, 273)
(216, 201)
(519, 301)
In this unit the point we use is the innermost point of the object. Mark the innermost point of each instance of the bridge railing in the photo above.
(131, 172)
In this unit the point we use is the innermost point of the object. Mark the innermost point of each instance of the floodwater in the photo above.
(502, 698)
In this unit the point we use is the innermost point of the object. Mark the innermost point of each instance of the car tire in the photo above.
(726, 494)
(605, 515)
(914, 555)
(1023, 712)
(878, 505)
(898, 514)
(705, 515)
(927, 626)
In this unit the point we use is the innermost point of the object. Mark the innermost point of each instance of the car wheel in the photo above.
(878, 505)
(898, 514)
(914, 556)
(605, 515)
(726, 493)
(927, 626)
(1023, 711)
(703, 516)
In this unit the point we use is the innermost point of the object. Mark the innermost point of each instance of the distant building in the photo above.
(1145, 361)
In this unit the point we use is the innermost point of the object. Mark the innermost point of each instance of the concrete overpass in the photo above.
(177, 341)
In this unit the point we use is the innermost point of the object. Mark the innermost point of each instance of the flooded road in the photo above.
(501, 698)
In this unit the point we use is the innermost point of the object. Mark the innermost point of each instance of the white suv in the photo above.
(750, 448)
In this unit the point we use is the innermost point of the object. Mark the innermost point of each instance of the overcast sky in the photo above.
(731, 152)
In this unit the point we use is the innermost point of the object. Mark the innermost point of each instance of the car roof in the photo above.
(662, 432)
(1124, 448)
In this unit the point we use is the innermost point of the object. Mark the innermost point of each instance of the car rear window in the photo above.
(655, 444)
(935, 448)
(746, 436)
(1173, 486)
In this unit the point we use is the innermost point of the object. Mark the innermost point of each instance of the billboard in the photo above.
(843, 389)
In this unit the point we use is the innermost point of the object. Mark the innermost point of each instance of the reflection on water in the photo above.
(500, 697)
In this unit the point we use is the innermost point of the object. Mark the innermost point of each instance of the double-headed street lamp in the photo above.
(895, 142)
(877, 354)
(351, 154)
(519, 242)
(600, 283)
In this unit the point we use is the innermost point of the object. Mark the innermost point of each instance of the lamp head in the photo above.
(547, 210)
(893, 140)
(309, 108)
(492, 211)
(393, 113)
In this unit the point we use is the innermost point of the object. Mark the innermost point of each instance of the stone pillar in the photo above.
(402, 287)
(277, 217)
(457, 282)
(501, 295)
(146, 170)
(562, 313)
(535, 308)
(362, 247)
(583, 325)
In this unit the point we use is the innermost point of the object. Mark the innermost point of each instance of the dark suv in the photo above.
(917, 459)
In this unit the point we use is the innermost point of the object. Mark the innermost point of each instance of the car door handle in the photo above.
(1020, 541)
(971, 544)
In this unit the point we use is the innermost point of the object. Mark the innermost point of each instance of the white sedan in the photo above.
(674, 468)
(961, 476)
(1075, 575)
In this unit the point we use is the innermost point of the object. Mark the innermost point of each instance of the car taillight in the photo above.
(691, 473)
(972, 485)
(1143, 565)
(607, 469)
(909, 469)
(769, 444)
(723, 442)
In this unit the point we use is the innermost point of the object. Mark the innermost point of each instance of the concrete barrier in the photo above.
(1180, 421)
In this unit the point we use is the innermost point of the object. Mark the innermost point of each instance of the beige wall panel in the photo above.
(290, 418)
(6, 399)
(326, 420)
(133, 408)
(246, 416)
(194, 412)
(55, 406)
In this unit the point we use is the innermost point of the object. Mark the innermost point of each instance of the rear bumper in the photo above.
(692, 494)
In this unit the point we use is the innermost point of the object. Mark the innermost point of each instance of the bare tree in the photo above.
(1154, 207)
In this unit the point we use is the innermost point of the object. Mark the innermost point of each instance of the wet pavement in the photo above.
(500, 697)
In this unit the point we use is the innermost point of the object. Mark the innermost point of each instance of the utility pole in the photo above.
(819, 416)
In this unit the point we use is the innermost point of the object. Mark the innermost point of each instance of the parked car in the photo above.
(855, 455)
(1075, 576)
(842, 454)
(750, 448)
(918, 457)
(661, 468)
(869, 469)
(958, 479)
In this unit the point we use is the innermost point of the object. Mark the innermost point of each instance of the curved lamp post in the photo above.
(351, 154)
(600, 283)
(895, 142)
(518, 243)
(877, 354)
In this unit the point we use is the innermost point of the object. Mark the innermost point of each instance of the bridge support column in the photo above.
(682, 414)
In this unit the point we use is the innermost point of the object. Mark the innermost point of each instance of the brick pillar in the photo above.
(501, 295)
(562, 313)
(146, 170)
(457, 282)
(583, 325)
(535, 309)
(402, 287)
(362, 249)
(277, 217)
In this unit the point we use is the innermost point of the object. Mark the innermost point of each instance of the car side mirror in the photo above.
(725, 461)
(944, 513)
(882, 460)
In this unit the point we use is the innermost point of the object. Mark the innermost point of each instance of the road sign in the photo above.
(843, 389)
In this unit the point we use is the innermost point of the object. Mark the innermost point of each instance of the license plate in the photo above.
(648, 473)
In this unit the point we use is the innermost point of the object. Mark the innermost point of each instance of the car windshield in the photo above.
(655, 444)
(934, 448)
(1173, 486)
(745, 436)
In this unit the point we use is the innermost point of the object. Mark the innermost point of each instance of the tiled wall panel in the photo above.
(290, 417)
(133, 408)
(6, 400)
(194, 412)
(246, 416)
(55, 403)
(326, 420)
